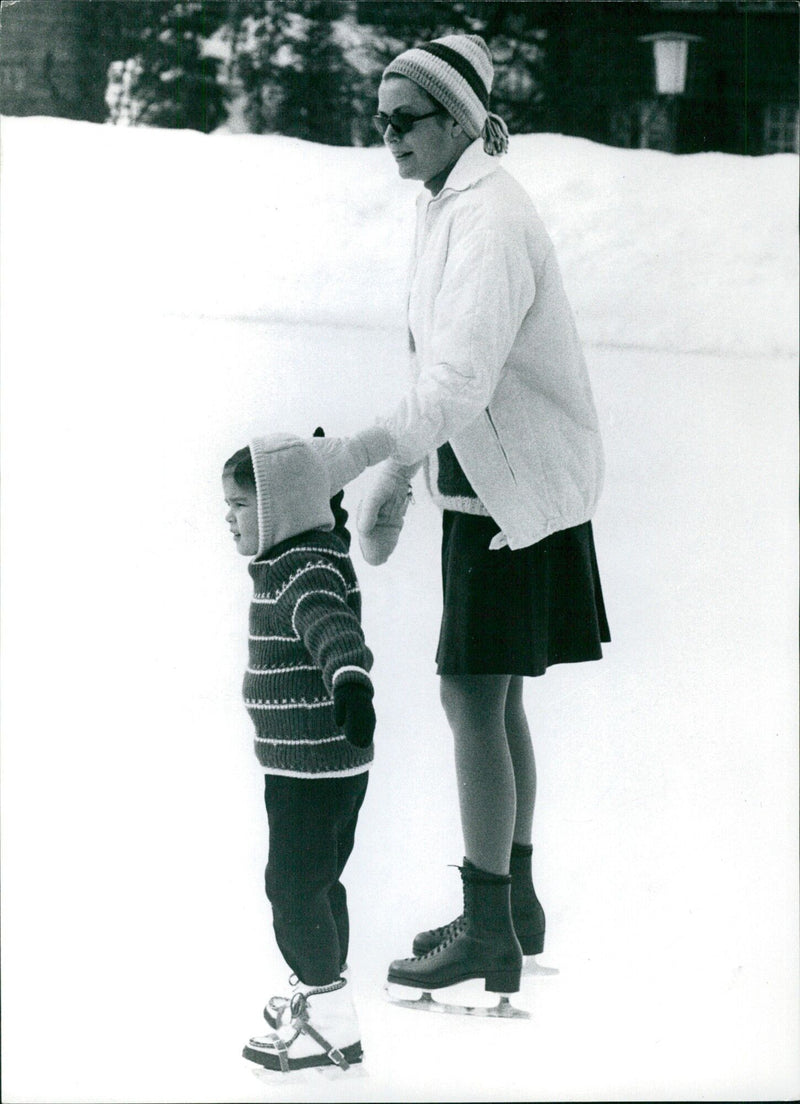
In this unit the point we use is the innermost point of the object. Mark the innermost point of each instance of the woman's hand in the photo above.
(381, 514)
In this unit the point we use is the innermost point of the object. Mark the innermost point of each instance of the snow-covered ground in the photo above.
(166, 295)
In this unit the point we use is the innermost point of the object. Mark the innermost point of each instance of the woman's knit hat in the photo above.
(457, 71)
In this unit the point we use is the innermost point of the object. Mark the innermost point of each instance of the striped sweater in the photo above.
(305, 636)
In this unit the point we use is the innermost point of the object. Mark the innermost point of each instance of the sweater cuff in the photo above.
(352, 674)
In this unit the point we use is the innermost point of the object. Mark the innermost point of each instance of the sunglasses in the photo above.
(400, 121)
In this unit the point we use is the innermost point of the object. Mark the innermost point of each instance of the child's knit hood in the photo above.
(293, 489)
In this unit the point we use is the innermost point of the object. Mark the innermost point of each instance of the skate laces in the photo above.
(452, 930)
(280, 1007)
(298, 1004)
(289, 1012)
(445, 929)
(331, 987)
(287, 1009)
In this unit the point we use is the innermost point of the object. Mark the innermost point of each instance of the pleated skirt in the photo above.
(518, 612)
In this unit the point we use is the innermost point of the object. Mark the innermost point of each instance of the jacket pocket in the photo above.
(496, 436)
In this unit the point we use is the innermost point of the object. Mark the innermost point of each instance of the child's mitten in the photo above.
(381, 513)
(353, 711)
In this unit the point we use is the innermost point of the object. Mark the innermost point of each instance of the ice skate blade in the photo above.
(532, 968)
(297, 1081)
(503, 1010)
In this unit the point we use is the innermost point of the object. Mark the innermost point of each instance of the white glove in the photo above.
(347, 457)
(381, 512)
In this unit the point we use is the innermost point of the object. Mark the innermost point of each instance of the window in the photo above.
(644, 124)
(781, 128)
(656, 124)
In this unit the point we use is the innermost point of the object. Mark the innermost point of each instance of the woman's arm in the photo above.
(487, 289)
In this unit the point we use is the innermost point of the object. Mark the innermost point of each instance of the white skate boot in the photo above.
(316, 1026)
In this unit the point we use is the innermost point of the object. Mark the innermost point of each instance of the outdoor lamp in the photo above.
(671, 53)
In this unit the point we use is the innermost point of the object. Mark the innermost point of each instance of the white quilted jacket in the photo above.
(498, 369)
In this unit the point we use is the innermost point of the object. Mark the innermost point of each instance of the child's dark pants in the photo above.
(312, 823)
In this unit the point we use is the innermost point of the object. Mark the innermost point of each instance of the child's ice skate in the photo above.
(316, 1026)
(277, 1011)
(480, 945)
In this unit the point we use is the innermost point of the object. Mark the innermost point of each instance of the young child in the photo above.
(309, 694)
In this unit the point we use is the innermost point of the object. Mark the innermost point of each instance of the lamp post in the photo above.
(671, 55)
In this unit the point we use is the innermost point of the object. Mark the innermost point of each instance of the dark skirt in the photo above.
(516, 613)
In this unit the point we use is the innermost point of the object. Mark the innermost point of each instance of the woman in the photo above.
(501, 416)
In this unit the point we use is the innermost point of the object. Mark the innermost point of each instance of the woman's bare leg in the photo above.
(476, 711)
(524, 764)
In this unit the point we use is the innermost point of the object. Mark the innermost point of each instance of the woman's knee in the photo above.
(458, 698)
(515, 718)
(449, 696)
(473, 700)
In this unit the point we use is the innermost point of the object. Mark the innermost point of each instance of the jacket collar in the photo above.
(473, 164)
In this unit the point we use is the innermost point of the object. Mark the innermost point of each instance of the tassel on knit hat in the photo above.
(457, 71)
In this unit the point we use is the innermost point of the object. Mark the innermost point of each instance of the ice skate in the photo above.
(480, 945)
(277, 1011)
(527, 913)
(316, 1026)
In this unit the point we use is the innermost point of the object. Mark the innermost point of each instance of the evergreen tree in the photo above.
(172, 82)
(310, 68)
(317, 91)
(260, 43)
(292, 69)
(179, 86)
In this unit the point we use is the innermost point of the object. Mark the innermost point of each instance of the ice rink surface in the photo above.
(149, 329)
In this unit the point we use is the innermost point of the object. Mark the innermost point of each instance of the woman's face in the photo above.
(432, 145)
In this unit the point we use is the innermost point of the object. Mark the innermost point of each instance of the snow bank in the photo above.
(691, 253)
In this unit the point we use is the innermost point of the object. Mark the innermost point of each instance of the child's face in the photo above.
(242, 515)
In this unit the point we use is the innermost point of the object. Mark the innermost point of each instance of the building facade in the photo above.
(741, 90)
(50, 59)
(593, 76)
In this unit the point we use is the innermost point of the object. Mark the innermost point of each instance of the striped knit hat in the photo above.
(457, 71)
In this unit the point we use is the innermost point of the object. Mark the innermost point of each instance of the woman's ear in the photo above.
(456, 129)
(458, 135)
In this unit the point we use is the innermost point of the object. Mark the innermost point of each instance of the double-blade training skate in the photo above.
(311, 1027)
(481, 944)
(527, 914)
